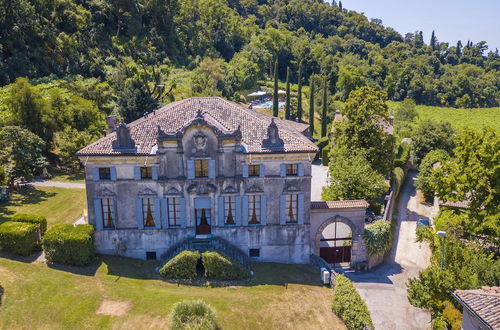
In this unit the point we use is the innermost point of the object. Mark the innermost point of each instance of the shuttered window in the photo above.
(173, 209)
(148, 212)
(229, 210)
(107, 212)
(201, 168)
(253, 170)
(292, 205)
(254, 209)
(146, 172)
(104, 173)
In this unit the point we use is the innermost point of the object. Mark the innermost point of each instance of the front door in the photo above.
(203, 216)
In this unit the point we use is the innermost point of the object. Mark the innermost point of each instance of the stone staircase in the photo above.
(207, 243)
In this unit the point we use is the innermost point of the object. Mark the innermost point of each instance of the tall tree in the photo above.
(288, 96)
(275, 91)
(430, 135)
(433, 42)
(325, 108)
(340, 5)
(299, 93)
(311, 107)
(458, 50)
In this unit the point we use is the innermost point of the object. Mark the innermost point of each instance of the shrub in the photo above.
(182, 266)
(192, 315)
(375, 207)
(17, 237)
(398, 175)
(325, 155)
(377, 237)
(349, 306)
(323, 142)
(69, 245)
(403, 155)
(221, 267)
(32, 218)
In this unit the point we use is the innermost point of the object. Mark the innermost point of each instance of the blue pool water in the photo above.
(269, 104)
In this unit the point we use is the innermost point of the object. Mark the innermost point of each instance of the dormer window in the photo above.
(201, 168)
(146, 172)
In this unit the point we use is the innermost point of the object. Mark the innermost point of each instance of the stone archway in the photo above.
(329, 221)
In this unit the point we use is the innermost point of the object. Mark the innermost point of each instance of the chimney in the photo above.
(111, 120)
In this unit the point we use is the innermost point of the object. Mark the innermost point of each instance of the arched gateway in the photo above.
(334, 240)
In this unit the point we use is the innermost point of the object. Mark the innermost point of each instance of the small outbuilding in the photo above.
(481, 308)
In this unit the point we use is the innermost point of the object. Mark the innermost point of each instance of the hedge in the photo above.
(377, 237)
(325, 153)
(192, 315)
(18, 237)
(403, 155)
(323, 142)
(349, 306)
(32, 218)
(182, 266)
(398, 175)
(221, 267)
(69, 245)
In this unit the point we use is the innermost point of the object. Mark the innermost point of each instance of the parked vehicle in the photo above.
(4, 194)
(423, 222)
(369, 216)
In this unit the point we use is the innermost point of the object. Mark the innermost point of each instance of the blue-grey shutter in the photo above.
(283, 170)
(300, 169)
(263, 210)
(182, 212)
(156, 204)
(238, 210)
(113, 173)
(211, 168)
(245, 171)
(98, 214)
(95, 173)
(220, 209)
(155, 173)
(138, 213)
(282, 209)
(137, 173)
(244, 210)
(262, 170)
(300, 211)
(190, 165)
(164, 213)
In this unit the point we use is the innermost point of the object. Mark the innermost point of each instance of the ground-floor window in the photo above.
(148, 212)
(107, 209)
(254, 253)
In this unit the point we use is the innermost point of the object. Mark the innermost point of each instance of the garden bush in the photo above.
(323, 142)
(192, 315)
(375, 207)
(32, 218)
(398, 175)
(182, 266)
(221, 267)
(65, 244)
(18, 237)
(349, 306)
(377, 237)
(325, 155)
(403, 155)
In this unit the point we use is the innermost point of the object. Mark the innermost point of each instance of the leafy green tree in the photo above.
(324, 112)
(3, 176)
(423, 182)
(311, 108)
(377, 237)
(405, 115)
(21, 153)
(70, 141)
(364, 113)
(208, 79)
(350, 78)
(352, 177)
(275, 91)
(299, 93)
(288, 96)
(430, 135)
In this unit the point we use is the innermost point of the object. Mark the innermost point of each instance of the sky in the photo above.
(452, 20)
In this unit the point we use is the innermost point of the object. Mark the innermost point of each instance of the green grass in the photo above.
(77, 176)
(37, 295)
(58, 205)
(462, 118)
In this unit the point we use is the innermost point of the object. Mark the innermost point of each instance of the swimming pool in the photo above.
(268, 104)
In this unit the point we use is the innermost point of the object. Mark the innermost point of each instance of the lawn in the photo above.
(40, 296)
(58, 205)
(462, 118)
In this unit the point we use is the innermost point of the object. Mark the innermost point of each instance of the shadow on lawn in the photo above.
(23, 196)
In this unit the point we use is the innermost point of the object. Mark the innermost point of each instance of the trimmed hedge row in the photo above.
(325, 159)
(32, 218)
(18, 237)
(403, 155)
(182, 266)
(221, 267)
(349, 306)
(69, 245)
(191, 315)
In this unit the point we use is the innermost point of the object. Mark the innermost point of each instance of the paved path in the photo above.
(57, 184)
(384, 287)
(319, 180)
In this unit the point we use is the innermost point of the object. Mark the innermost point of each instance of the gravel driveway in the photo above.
(384, 287)
(57, 184)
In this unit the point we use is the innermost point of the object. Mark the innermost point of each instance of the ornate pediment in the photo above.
(201, 188)
(148, 192)
(291, 188)
(254, 189)
(173, 191)
(106, 193)
(229, 190)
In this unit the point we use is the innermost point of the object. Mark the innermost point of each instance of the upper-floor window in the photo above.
(107, 215)
(291, 169)
(148, 212)
(201, 168)
(229, 210)
(254, 209)
(146, 172)
(173, 209)
(104, 173)
(292, 206)
(253, 170)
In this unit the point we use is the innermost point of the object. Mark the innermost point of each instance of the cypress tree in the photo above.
(299, 94)
(275, 93)
(458, 51)
(311, 108)
(340, 5)
(287, 103)
(325, 106)
(433, 43)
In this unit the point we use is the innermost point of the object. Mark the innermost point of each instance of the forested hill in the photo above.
(128, 47)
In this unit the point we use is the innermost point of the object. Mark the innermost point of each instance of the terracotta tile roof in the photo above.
(359, 203)
(456, 205)
(223, 114)
(484, 302)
